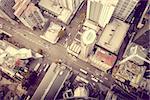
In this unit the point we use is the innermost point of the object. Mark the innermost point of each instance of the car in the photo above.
(61, 72)
(105, 78)
(37, 66)
(69, 34)
(46, 67)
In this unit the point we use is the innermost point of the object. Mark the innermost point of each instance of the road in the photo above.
(31, 40)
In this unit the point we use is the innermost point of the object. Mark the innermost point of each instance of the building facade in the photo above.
(124, 8)
(100, 11)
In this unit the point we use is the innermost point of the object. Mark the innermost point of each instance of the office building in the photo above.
(6, 10)
(88, 40)
(103, 59)
(53, 33)
(64, 10)
(52, 82)
(130, 72)
(135, 53)
(124, 8)
(29, 14)
(100, 11)
(113, 35)
(69, 4)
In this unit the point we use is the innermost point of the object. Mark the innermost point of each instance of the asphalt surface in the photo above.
(31, 40)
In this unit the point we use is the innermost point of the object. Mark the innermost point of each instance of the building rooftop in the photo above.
(52, 33)
(52, 82)
(103, 60)
(89, 36)
(113, 35)
(130, 72)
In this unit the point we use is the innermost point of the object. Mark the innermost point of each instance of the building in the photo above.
(64, 10)
(100, 11)
(29, 14)
(130, 72)
(88, 40)
(135, 53)
(103, 59)
(81, 91)
(6, 10)
(69, 4)
(53, 33)
(52, 82)
(113, 35)
(12, 59)
(124, 8)
(111, 95)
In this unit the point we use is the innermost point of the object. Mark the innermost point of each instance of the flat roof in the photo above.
(51, 83)
(89, 36)
(113, 35)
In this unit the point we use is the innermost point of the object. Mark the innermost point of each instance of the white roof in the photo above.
(91, 24)
(11, 50)
(52, 33)
(106, 1)
(89, 36)
(1, 50)
(113, 35)
(24, 53)
(65, 15)
(50, 6)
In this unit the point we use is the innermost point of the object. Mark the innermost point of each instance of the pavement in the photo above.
(30, 39)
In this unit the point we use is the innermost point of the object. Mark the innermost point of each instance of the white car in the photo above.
(69, 34)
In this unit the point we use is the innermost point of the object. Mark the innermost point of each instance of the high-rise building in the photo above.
(6, 10)
(53, 33)
(64, 10)
(124, 8)
(130, 72)
(69, 4)
(100, 11)
(29, 14)
(52, 82)
(135, 53)
(88, 40)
